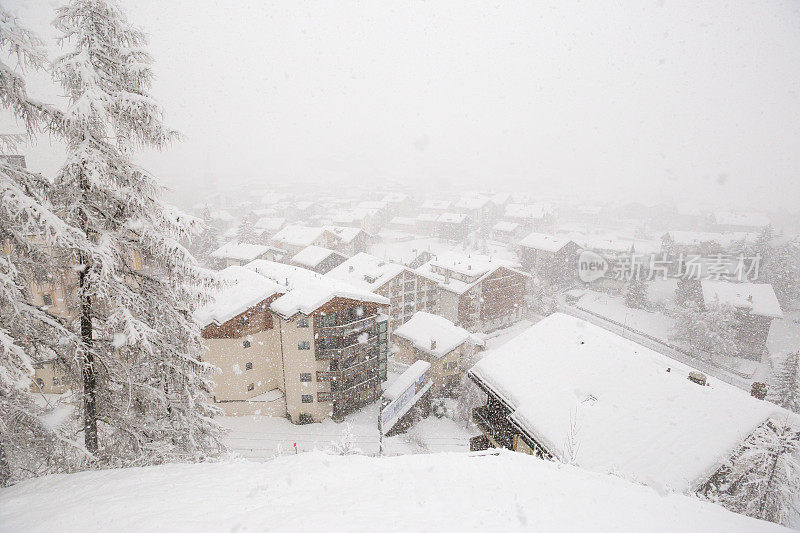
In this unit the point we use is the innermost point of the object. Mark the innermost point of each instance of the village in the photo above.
(400, 324)
(416, 266)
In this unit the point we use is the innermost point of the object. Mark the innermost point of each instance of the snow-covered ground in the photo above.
(263, 437)
(504, 491)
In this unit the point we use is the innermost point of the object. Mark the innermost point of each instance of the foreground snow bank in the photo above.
(314, 491)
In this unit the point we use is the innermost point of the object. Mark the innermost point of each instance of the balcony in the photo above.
(343, 352)
(495, 428)
(348, 393)
(347, 373)
(348, 328)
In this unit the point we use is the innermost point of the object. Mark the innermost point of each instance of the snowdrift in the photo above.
(501, 491)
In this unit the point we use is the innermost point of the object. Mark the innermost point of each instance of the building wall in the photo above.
(295, 362)
(48, 379)
(449, 305)
(443, 369)
(232, 357)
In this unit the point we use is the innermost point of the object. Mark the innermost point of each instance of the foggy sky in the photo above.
(658, 101)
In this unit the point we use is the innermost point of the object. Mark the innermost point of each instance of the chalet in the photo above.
(532, 217)
(265, 227)
(427, 223)
(333, 342)
(452, 226)
(408, 291)
(478, 292)
(551, 259)
(240, 253)
(573, 392)
(320, 260)
(449, 349)
(370, 220)
(507, 232)
(756, 307)
(350, 240)
(294, 238)
(478, 209)
(399, 203)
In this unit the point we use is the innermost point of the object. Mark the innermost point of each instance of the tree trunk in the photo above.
(5, 468)
(89, 376)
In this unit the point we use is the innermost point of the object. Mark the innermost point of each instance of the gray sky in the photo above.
(661, 101)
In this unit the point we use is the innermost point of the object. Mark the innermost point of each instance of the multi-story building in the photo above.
(478, 292)
(408, 291)
(333, 341)
(290, 342)
(449, 349)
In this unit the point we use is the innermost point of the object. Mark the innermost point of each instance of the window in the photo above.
(251, 386)
(56, 381)
(307, 398)
(244, 320)
(305, 376)
(248, 366)
(303, 345)
(302, 322)
(246, 344)
(327, 320)
(47, 299)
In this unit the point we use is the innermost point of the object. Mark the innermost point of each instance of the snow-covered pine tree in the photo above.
(144, 385)
(246, 231)
(762, 479)
(781, 268)
(784, 386)
(30, 443)
(708, 331)
(636, 293)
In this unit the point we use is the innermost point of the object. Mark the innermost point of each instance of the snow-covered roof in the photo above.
(452, 218)
(630, 415)
(366, 271)
(425, 328)
(428, 217)
(406, 379)
(507, 227)
(730, 218)
(694, 238)
(475, 266)
(757, 298)
(346, 234)
(613, 243)
(270, 223)
(239, 289)
(312, 256)
(528, 211)
(296, 235)
(306, 290)
(541, 241)
(471, 202)
(240, 251)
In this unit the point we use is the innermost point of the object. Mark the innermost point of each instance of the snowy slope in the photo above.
(318, 492)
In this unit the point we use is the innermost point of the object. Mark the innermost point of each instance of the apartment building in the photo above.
(333, 342)
(408, 291)
(478, 292)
